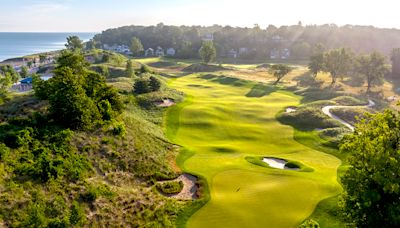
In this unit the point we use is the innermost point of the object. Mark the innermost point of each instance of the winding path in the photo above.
(327, 111)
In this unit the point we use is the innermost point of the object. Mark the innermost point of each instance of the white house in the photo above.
(243, 51)
(208, 37)
(149, 52)
(285, 53)
(159, 51)
(171, 52)
(232, 54)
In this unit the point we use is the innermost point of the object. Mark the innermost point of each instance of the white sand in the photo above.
(275, 162)
(166, 103)
(289, 110)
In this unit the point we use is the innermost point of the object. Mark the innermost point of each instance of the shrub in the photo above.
(118, 129)
(154, 84)
(141, 86)
(170, 187)
(105, 110)
(77, 214)
(309, 223)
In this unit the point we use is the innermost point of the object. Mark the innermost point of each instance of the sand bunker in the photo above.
(165, 103)
(277, 163)
(189, 190)
(290, 109)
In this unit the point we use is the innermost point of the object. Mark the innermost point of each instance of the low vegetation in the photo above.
(170, 187)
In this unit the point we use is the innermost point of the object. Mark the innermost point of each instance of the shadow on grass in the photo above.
(306, 79)
(224, 80)
(261, 90)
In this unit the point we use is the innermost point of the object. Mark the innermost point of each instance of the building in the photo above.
(123, 49)
(208, 37)
(243, 51)
(171, 52)
(279, 53)
(149, 52)
(159, 52)
(232, 54)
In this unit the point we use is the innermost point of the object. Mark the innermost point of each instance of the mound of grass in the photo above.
(170, 187)
(264, 66)
(201, 67)
(350, 115)
(349, 101)
(307, 118)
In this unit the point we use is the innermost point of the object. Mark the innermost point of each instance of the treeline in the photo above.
(256, 42)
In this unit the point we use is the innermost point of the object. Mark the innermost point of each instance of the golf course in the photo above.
(224, 123)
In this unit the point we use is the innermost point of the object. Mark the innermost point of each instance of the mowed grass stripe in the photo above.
(220, 125)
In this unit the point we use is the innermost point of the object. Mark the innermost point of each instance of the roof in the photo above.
(26, 80)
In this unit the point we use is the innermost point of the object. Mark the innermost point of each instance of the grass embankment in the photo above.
(104, 177)
(219, 126)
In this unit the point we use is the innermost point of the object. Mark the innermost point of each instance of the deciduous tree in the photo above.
(279, 71)
(136, 46)
(207, 52)
(372, 182)
(373, 68)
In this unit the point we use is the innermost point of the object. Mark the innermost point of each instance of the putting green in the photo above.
(221, 126)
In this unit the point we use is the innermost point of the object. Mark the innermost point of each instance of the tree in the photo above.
(372, 182)
(91, 44)
(154, 84)
(373, 68)
(141, 86)
(74, 43)
(338, 62)
(395, 57)
(24, 72)
(279, 71)
(316, 64)
(207, 52)
(129, 69)
(136, 46)
(69, 104)
(42, 58)
(29, 64)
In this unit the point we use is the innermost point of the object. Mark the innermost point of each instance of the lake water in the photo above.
(20, 44)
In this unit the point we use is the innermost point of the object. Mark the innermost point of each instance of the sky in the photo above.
(98, 15)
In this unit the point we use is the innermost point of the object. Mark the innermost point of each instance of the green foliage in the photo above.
(69, 104)
(338, 62)
(78, 98)
(136, 46)
(118, 129)
(24, 72)
(146, 85)
(144, 69)
(207, 52)
(372, 182)
(279, 71)
(307, 118)
(77, 214)
(309, 223)
(170, 187)
(74, 43)
(129, 69)
(373, 68)
(154, 84)
(316, 63)
(9, 74)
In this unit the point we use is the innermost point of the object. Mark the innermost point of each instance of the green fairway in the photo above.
(221, 123)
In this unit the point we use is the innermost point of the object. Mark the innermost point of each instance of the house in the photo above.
(243, 51)
(277, 38)
(285, 53)
(123, 49)
(279, 53)
(171, 52)
(208, 37)
(232, 54)
(149, 52)
(159, 51)
(274, 54)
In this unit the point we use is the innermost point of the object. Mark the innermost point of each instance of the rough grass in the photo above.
(218, 114)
